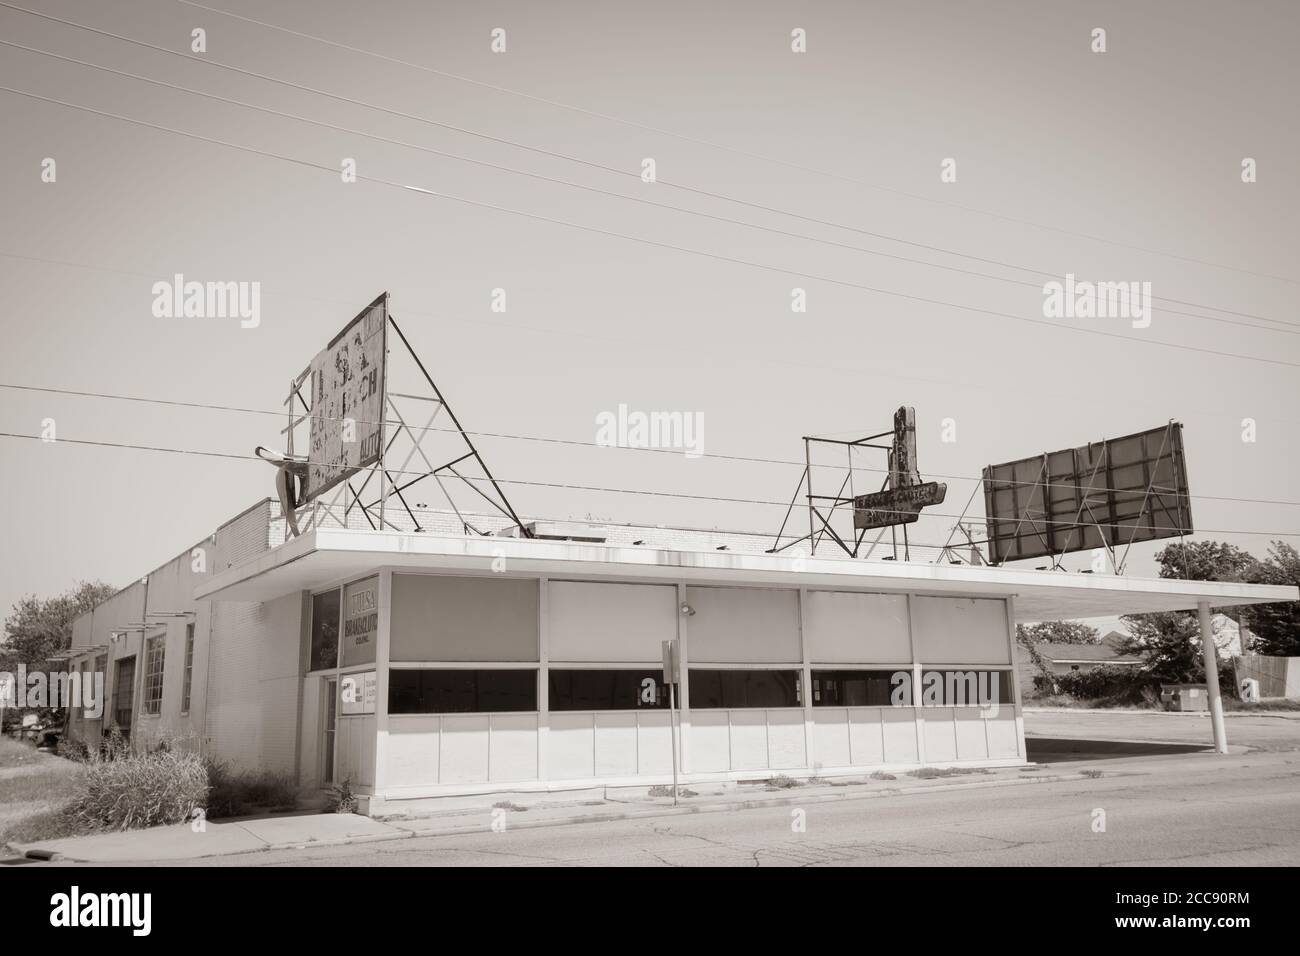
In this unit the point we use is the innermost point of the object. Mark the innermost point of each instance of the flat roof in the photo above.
(325, 556)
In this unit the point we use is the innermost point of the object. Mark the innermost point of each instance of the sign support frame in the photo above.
(394, 482)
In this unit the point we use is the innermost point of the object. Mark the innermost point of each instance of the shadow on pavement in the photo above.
(1058, 749)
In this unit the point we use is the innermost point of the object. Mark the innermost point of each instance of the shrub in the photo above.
(782, 782)
(139, 790)
(931, 773)
(341, 798)
(223, 793)
(1109, 685)
(75, 750)
(234, 794)
(114, 746)
(661, 791)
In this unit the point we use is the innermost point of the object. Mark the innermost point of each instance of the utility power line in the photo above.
(652, 242)
(573, 487)
(283, 114)
(732, 149)
(573, 442)
(558, 155)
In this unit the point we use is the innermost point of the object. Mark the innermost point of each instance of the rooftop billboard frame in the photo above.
(1108, 494)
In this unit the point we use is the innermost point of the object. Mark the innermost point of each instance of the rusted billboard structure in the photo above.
(898, 502)
(342, 410)
(1110, 494)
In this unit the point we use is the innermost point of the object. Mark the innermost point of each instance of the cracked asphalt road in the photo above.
(1244, 811)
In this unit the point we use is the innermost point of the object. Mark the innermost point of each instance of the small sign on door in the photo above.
(357, 693)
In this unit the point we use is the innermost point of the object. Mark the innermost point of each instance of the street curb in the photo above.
(648, 812)
(45, 856)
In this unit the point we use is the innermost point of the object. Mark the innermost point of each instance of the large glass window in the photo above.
(324, 631)
(189, 669)
(851, 688)
(461, 691)
(965, 688)
(155, 650)
(580, 689)
(747, 688)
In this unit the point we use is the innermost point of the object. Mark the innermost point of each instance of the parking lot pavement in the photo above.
(1277, 732)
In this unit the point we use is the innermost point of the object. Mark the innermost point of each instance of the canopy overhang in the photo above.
(326, 556)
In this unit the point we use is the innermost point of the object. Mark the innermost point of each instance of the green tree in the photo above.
(37, 628)
(1169, 643)
(1276, 626)
(1205, 561)
(1057, 632)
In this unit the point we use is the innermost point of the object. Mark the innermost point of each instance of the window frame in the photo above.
(977, 669)
(477, 670)
(187, 681)
(154, 647)
(692, 682)
(644, 670)
(816, 673)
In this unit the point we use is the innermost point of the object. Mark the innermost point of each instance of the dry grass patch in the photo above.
(34, 790)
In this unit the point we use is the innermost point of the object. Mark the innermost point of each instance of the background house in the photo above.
(1065, 658)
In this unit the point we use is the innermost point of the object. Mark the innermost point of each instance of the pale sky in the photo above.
(1141, 146)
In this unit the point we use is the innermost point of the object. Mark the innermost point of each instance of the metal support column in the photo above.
(1212, 676)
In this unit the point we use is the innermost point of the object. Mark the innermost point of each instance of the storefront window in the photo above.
(607, 689)
(965, 688)
(846, 688)
(324, 631)
(744, 688)
(461, 691)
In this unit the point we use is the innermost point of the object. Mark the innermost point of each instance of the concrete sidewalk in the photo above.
(217, 838)
(508, 810)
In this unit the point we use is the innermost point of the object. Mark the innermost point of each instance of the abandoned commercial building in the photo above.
(421, 664)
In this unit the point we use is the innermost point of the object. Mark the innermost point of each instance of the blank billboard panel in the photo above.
(1110, 493)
